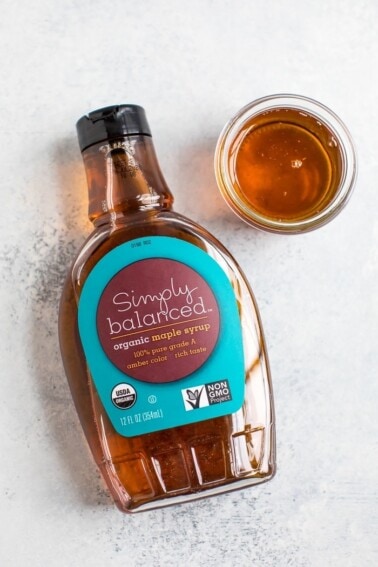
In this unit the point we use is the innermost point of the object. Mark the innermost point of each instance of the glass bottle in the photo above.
(160, 335)
(286, 163)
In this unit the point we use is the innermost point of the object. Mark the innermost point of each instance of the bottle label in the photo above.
(160, 329)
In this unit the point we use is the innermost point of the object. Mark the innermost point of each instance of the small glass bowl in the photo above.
(243, 122)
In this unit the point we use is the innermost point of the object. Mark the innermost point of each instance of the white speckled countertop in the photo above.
(192, 65)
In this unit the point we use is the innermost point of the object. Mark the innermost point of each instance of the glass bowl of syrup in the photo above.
(286, 164)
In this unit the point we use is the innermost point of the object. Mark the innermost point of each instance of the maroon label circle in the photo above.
(158, 320)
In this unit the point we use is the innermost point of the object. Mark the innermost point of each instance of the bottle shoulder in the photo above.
(164, 223)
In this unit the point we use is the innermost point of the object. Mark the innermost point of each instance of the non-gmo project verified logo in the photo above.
(205, 395)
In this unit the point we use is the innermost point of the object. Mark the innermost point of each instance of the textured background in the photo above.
(192, 64)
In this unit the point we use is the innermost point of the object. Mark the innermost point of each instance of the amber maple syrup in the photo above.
(160, 335)
(285, 164)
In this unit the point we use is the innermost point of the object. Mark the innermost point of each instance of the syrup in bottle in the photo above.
(160, 335)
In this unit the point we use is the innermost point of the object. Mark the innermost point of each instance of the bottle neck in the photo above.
(124, 177)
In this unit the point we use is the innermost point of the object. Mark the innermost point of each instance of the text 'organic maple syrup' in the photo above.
(285, 164)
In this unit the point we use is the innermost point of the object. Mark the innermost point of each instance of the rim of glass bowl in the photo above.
(320, 112)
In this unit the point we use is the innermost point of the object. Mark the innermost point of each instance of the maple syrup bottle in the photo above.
(160, 335)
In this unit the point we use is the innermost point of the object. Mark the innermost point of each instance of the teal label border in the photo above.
(219, 382)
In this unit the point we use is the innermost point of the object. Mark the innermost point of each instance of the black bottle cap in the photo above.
(110, 123)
